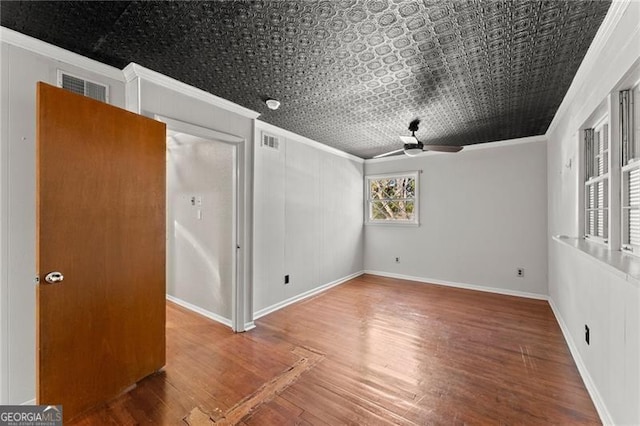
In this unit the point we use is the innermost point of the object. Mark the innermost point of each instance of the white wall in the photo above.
(150, 93)
(201, 240)
(582, 290)
(21, 70)
(482, 215)
(308, 218)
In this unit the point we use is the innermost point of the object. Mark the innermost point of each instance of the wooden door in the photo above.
(101, 224)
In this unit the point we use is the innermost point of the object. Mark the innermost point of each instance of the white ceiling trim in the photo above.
(134, 70)
(507, 142)
(58, 54)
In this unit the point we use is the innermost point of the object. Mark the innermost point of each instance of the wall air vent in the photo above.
(84, 87)
(270, 141)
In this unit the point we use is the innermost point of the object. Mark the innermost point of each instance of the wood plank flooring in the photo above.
(394, 352)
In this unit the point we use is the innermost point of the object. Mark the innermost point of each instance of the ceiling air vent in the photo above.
(84, 87)
(270, 141)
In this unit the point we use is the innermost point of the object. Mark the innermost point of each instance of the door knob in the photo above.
(54, 277)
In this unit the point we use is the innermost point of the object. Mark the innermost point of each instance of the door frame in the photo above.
(238, 282)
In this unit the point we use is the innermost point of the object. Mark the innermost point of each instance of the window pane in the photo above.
(633, 187)
(591, 196)
(393, 198)
(632, 227)
(602, 193)
(626, 144)
(591, 222)
(392, 210)
(635, 127)
(392, 188)
(590, 153)
(603, 224)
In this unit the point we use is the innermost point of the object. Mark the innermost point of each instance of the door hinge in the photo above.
(37, 279)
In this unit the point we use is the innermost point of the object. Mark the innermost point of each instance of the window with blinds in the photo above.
(596, 142)
(630, 173)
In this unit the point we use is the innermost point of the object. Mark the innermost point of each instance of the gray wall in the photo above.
(482, 215)
(308, 219)
(201, 237)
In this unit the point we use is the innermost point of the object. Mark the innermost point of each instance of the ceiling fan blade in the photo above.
(442, 148)
(409, 139)
(387, 154)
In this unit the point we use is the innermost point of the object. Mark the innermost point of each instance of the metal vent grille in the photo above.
(83, 87)
(270, 141)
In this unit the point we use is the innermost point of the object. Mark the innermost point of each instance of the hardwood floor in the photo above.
(387, 352)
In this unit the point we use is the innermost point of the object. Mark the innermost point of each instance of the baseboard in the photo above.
(249, 326)
(287, 302)
(496, 290)
(199, 310)
(601, 407)
(30, 402)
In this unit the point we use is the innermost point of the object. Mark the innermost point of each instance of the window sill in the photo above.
(621, 264)
(390, 223)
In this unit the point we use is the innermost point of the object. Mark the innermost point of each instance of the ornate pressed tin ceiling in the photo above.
(350, 73)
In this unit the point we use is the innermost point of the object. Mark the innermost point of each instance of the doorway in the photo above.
(202, 220)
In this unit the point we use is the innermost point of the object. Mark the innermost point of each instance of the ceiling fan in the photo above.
(413, 147)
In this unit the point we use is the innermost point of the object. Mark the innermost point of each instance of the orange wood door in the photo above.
(101, 224)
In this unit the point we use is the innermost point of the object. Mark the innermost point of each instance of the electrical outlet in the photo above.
(587, 334)
(520, 272)
(286, 279)
(397, 260)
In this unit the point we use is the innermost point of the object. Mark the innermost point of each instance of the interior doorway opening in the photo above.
(202, 221)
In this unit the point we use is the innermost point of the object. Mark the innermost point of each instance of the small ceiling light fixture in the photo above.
(413, 149)
(272, 104)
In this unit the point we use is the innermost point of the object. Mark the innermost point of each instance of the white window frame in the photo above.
(601, 130)
(629, 141)
(416, 200)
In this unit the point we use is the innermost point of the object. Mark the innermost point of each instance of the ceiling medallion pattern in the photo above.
(349, 73)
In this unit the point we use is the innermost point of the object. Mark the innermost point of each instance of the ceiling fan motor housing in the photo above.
(412, 149)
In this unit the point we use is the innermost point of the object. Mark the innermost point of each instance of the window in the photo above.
(610, 169)
(630, 173)
(392, 199)
(597, 181)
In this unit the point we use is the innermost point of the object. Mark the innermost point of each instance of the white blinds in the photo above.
(596, 142)
(631, 208)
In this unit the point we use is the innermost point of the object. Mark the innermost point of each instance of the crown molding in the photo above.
(133, 71)
(506, 142)
(591, 58)
(270, 128)
(56, 53)
(467, 148)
